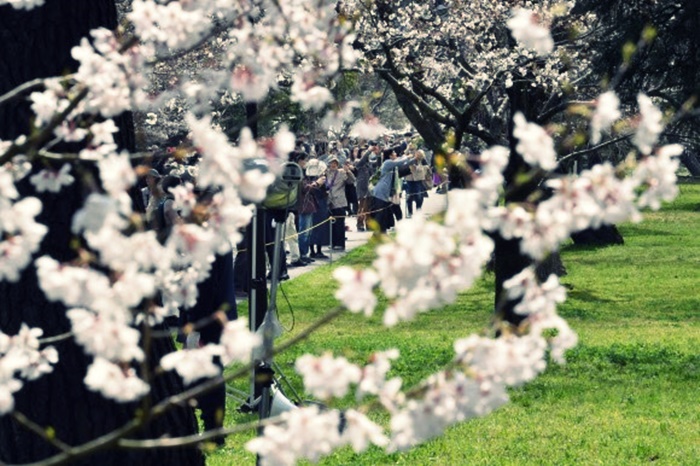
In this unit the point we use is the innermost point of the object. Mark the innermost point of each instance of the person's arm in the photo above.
(170, 214)
(350, 176)
(307, 184)
(364, 160)
(401, 162)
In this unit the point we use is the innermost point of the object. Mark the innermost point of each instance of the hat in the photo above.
(315, 167)
(154, 172)
(333, 159)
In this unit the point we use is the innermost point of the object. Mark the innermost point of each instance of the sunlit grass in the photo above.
(628, 394)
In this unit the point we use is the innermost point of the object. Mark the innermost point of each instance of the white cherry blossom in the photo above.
(22, 4)
(534, 144)
(20, 235)
(306, 433)
(607, 111)
(650, 125)
(238, 342)
(526, 29)
(115, 381)
(356, 289)
(107, 337)
(327, 376)
(658, 176)
(52, 180)
(192, 364)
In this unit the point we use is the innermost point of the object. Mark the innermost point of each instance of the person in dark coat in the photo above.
(215, 293)
(320, 235)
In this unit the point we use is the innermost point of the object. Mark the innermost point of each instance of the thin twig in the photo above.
(55, 338)
(21, 89)
(595, 148)
(40, 431)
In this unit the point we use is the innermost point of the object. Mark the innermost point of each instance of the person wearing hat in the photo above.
(336, 179)
(306, 207)
(320, 232)
(151, 193)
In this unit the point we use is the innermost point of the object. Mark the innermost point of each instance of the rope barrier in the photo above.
(318, 225)
(333, 218)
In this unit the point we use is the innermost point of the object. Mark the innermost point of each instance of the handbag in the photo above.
(404, 171)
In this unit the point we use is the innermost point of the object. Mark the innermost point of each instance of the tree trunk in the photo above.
(691, 162)
(33, 44)
(430, 131)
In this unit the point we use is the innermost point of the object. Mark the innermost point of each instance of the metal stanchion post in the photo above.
(330, 240)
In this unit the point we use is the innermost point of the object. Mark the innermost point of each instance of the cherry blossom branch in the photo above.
(45, 134)
(435, 94)
(73, 156)
(545, 116)
(182, 52)
(91, 447)
(21, 89)
(192, 326)
(420, 103)
(596, 148)
(180, 398)
(196, 439)
(45, 433)
(56, 338)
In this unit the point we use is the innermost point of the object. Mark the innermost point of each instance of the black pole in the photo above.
(257, 302)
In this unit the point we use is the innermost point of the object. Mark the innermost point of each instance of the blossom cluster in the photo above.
(311, 433)
(22, 360)
(22, 4)
(431, 42)
(20, 233)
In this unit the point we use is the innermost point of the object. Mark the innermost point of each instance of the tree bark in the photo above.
(36, 44)
(509, 260)
(429, 130)
(691, 162)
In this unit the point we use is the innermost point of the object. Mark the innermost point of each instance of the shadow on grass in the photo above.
(586, 296)
(572, 247)
(638, 230)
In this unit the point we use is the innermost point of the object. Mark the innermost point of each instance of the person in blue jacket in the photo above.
(381, 194)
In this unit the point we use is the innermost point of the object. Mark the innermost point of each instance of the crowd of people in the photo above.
(344, 181)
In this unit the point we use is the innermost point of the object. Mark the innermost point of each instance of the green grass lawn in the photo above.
(628, 394)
